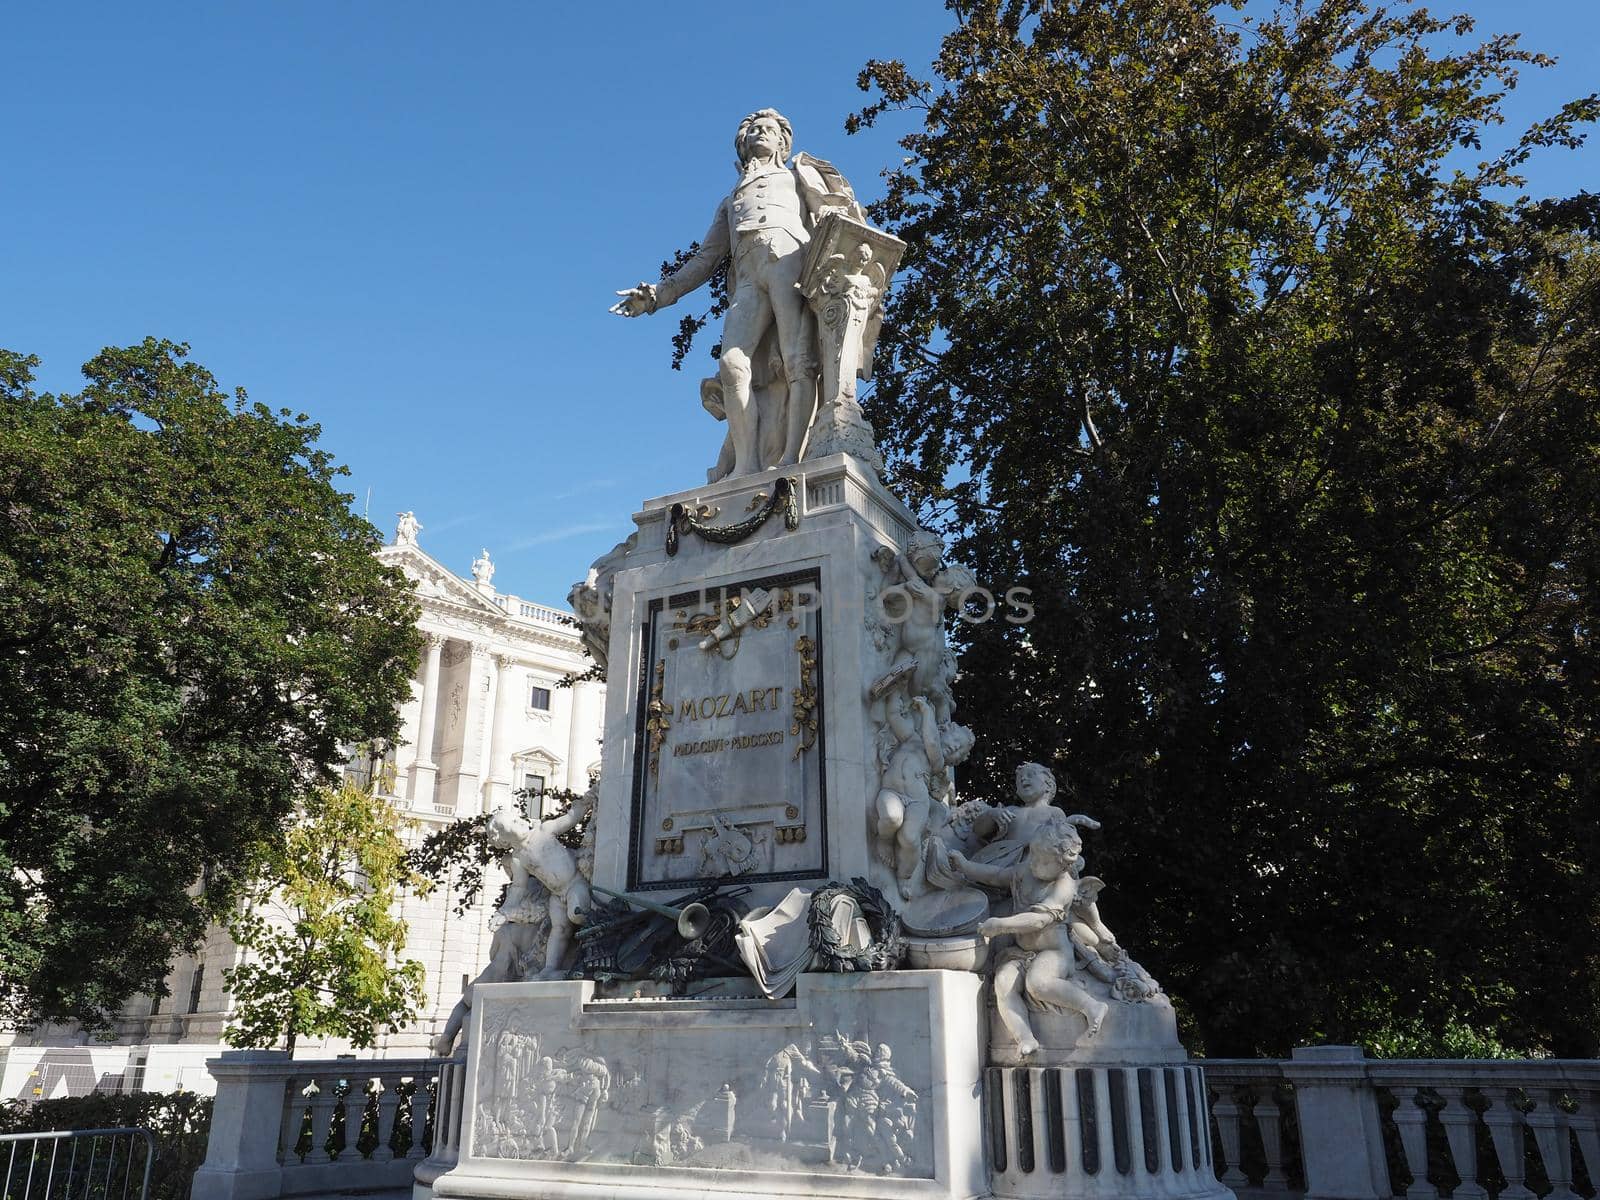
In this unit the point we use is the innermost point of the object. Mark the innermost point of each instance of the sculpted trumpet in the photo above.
(693, 919)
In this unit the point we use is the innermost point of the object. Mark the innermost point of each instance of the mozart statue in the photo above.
(767, 375)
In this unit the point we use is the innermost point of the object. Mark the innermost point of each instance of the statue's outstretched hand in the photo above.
(636, 301)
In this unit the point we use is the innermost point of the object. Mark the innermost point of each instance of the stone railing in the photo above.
(529, 611)
(1327, 1123)
(294, 1127)
(1335, 1125)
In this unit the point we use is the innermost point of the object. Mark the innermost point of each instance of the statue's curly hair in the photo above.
(783, 127)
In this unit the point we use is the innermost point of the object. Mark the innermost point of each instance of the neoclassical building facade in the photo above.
(490, 723)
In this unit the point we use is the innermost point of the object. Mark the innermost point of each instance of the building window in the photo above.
(533, 787)
(155, 1006)
(195, 985)
(370, 771)
(539, 698)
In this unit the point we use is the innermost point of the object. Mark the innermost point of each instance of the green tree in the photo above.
(320, 940)
(192, 625)
(1214, 331)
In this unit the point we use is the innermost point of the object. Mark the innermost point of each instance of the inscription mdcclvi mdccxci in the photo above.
(728, 778)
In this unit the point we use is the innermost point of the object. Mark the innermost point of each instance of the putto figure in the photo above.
(762, 228)
(533, 858)
(1011, 829)
(1039, 966)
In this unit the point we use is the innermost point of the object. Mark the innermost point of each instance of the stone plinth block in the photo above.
(862, 1085)
(745, 632)
(1132, 1034)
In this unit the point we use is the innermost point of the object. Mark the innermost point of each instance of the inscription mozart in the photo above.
(729, 697)
(731, 704)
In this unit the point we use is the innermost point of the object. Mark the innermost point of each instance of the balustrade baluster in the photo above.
(1461, 1131)
(294, 1113)
(1228, 1113)
(444, 1112)
(1505, 1121)
(1586, 1125)
(1411, 1119)
(322, 1104)
(420, 1099)
(1269, 1120)
(388, 1106)
(458, 1081)
(361, 1099)
(1549, 1125)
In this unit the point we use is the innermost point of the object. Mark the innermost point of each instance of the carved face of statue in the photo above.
(1046, 862)
(957, 741)
(1035, 784)
(764, 134)
(506, 830)
(763, 138)
(1054, 851)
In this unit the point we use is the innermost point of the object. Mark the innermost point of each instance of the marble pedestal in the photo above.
(747, 628)
(751, 763)
(858, 1086)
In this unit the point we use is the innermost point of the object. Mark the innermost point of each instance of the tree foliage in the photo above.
(192, 623)
(320, 939)
(1215, 332)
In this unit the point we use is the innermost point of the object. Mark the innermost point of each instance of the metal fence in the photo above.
(77, 1164)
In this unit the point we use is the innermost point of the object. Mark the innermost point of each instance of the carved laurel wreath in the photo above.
(681, 520)
(884, 951)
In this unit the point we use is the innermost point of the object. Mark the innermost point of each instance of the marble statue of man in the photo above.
(762, 228)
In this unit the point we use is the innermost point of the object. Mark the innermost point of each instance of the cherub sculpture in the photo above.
(533, 857)
(922, 589)
(1040, 965)
(591, 598)
(915, 779)
(1009, 830)
(544, 901)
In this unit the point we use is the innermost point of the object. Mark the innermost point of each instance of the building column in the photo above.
(497, 753)
(580, 745)
(424, 770)
(466, 787)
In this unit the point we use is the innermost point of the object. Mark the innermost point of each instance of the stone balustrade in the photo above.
(529, 611)
(295, 1127)
(1327, 1124)
(1334, 1125)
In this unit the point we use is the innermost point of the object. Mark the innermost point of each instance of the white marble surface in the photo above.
(844, 515)
(862, 1085)
(780, 285)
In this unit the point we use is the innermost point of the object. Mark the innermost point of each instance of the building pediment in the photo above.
(537, 754)
(434, 581)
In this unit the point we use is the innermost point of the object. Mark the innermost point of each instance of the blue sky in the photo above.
(407, 220)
